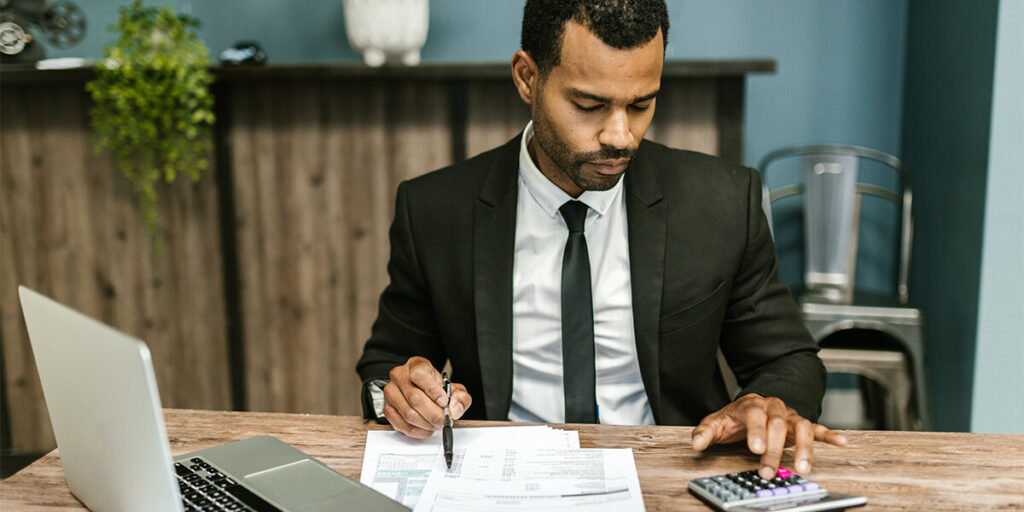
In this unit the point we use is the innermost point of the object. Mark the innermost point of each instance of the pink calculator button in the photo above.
(784, 473)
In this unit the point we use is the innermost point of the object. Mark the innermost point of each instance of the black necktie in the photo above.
(578, 371)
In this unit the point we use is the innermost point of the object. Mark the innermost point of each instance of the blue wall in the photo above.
(999, 379)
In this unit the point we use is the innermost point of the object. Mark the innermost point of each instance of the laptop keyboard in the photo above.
(205, 489)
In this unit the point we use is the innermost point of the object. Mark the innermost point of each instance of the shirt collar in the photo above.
(548, 195)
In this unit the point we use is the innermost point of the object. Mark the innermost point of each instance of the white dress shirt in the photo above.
(541, 234)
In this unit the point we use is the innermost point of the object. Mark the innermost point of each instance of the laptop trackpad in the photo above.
(304, 485)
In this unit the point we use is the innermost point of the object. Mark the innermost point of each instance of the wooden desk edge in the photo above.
(896, 470)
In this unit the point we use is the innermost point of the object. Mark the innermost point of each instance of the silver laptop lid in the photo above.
(101, 393)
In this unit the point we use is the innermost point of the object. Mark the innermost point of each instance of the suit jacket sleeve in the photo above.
(406, 324)
(763, 335)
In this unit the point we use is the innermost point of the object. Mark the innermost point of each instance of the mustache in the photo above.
(607, 154)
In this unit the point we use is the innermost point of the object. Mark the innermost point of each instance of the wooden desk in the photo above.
(895, 470)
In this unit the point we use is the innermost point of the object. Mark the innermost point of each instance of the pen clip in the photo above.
(447, 386)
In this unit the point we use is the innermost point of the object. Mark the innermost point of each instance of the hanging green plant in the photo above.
(153, 109)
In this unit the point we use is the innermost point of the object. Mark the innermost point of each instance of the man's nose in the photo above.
(615, 132)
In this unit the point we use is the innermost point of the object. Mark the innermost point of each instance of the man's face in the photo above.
(592, 109)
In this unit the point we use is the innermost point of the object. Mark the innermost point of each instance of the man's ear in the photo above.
(526, 75)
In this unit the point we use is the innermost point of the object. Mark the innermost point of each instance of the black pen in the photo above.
(446, 432)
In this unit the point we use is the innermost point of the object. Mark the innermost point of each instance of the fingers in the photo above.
(397, 421)
(769, 426)
(803, 435)
(406, 396)
(460, 401)
(415, 398)
(823, 434)
(755, 417)
(705, 433)
(722, 426)
(777, 429)
(405, 419)
(424, 376)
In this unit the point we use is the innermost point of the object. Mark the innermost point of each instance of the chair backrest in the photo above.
(832, 198)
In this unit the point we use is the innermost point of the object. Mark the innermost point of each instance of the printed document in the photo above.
(538, 480)
(398, 466)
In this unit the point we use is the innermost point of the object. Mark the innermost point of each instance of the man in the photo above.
(580, 274)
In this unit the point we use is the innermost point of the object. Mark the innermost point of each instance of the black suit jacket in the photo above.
(703, 271)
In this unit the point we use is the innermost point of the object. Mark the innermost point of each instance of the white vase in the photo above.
(383, 29)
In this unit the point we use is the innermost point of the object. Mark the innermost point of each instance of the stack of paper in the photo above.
(533, 468)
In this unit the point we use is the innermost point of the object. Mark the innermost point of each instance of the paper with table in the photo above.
(501, 468)
(398, 466)
(538, 480)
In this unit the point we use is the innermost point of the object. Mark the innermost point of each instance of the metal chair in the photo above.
(832, 199)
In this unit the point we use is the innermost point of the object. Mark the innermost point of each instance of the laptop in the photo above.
(101, 393)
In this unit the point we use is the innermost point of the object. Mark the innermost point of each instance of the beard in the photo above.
(570, 163)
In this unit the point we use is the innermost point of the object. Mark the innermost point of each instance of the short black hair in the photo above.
(622, 24)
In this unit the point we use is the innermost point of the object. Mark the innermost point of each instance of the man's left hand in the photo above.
(769, 426)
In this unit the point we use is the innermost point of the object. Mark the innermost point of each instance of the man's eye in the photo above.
(586, 109)
(639, 107)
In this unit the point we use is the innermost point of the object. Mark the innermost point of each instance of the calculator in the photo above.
(787, 491)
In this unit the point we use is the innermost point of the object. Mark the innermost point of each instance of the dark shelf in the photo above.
(27, 74)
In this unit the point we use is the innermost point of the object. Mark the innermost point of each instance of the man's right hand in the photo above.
(414, 400)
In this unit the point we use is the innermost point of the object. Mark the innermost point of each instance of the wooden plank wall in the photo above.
(307, 170)
(315, 170)
(70, 229)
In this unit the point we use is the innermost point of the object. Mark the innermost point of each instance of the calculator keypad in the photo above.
(749, 485)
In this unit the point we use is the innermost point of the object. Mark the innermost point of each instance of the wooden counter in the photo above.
(274, 261)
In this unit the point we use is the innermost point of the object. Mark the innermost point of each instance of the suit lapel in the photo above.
(494, 233)
(645, 216)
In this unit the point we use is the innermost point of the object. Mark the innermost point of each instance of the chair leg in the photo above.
(884, 371)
